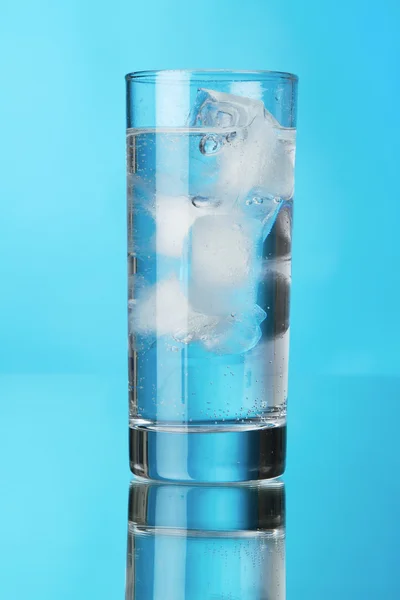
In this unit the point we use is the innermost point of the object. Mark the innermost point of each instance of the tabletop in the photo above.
(329, 530)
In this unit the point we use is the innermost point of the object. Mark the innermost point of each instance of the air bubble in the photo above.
(204, 202)
(210, 144)
(254, 200)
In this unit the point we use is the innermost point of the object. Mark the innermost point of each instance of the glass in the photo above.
(210, 162)
(202, 542)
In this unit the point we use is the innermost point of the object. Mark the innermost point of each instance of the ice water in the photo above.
(209, 252)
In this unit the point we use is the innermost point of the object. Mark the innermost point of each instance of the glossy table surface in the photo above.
(65, 485)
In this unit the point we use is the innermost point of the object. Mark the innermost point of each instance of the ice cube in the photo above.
(159, 310)
(263, 207)
(174, 217)
(224, 111)
(160, 222)
(197, 327)
(253, 149)
(224, 263)
(163, 310)
(235, 334)
(278, 169)
(183, 166)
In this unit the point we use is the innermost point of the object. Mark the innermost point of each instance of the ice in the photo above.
(174, 217)
(160, 310)
(208, 213)
(278, 176)
(224, 263)
(236, 333)
(163, 310)
(198, 327)
(161, 222)
(224, 111)
(254, 151)
(263, 207)
(186, 163)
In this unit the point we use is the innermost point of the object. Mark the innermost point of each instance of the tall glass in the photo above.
(206, 542)
(210, 162)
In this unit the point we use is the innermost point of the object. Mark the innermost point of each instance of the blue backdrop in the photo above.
(63, 256)
(62, 239)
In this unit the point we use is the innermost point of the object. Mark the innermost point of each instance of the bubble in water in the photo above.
(254, 200)
(231, 136)
(204, 202)
(210, 144)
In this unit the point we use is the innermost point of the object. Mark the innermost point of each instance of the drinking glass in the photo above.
(210, 178)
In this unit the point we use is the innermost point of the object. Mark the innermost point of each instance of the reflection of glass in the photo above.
(210, 158)
(188, 542)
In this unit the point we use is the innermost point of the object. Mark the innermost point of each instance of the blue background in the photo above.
(62, 272)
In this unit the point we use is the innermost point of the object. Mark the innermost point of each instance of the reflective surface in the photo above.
(65, 485)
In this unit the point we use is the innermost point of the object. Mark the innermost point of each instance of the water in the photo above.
(209, 282)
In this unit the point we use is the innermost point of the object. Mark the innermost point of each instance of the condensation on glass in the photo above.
(210, 177)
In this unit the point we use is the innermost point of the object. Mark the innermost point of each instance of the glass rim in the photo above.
(201, 75)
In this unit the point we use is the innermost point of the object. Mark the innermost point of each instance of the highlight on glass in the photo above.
(210, 178)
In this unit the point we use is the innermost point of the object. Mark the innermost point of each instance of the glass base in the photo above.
(208, 457)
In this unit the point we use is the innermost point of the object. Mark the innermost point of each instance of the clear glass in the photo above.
(210, 167)
(206, 542)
